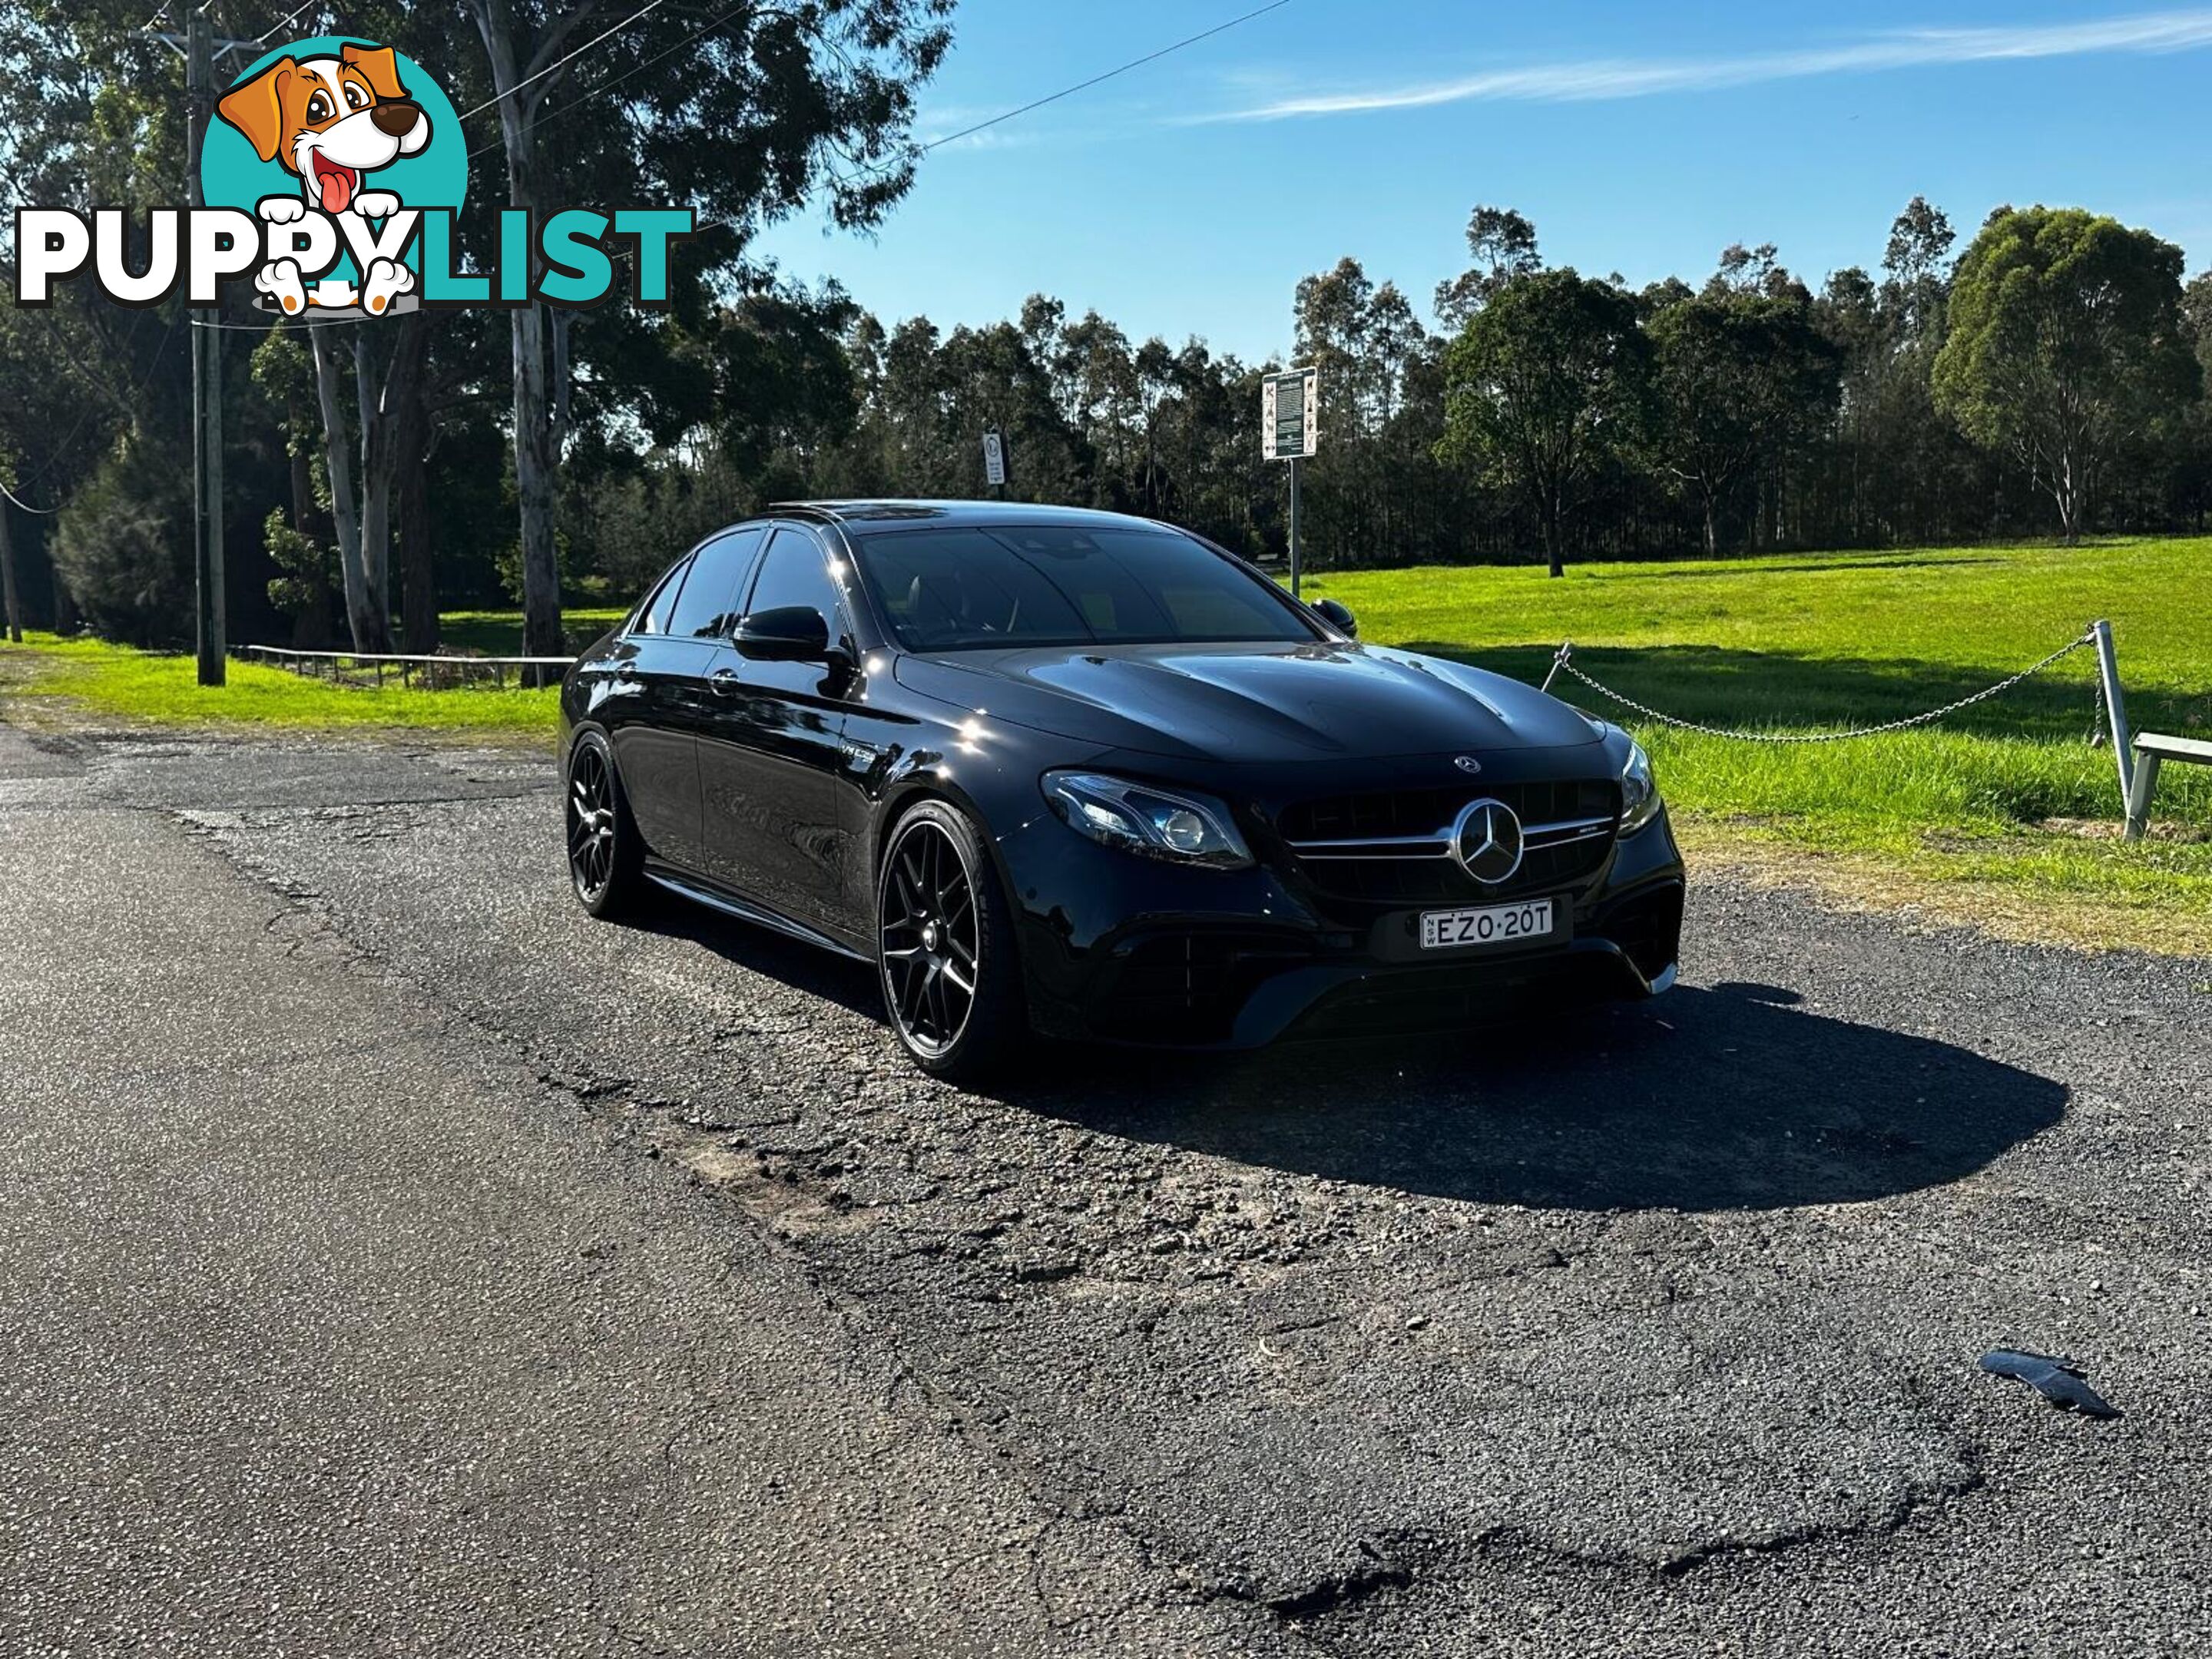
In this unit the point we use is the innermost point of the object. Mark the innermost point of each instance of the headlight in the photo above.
(1139, 819)
(1639, 794)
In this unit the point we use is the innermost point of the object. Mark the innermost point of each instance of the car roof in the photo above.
(863, 514)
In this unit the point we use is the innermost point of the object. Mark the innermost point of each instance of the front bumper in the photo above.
(1120, 948)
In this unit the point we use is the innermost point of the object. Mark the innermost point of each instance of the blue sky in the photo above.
(1189, 196)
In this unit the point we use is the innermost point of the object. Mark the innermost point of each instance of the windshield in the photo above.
(971, 589)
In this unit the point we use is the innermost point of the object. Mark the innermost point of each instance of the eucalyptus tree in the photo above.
(1501, 244)
(1743, 378)
(1548, 379)
(2192, 447)
(2067, 341)
(92, 115)
(746, 120)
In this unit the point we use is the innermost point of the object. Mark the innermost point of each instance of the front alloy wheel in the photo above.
(947, 962)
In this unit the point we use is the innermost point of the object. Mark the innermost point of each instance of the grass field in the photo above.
(498, 633)
(154, 688)
(2005, 814)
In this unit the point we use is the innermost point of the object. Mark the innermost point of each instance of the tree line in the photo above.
(2046, 379)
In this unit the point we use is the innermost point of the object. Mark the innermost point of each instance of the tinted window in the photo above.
(652, 615)
(793, 573)
(1061, 585)
(708, 607)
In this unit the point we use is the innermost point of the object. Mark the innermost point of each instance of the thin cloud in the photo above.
(1623, 77)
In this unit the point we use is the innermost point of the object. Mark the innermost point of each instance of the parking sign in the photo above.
(1289, 415)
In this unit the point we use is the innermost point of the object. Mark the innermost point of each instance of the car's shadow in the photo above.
(817, 972)
(1726, 1097)
(1730, 1097)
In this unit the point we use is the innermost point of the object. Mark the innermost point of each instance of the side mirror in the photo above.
(791, 633)
(1339, 617)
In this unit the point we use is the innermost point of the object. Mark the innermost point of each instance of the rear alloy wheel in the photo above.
(944, 941)
(605, 857)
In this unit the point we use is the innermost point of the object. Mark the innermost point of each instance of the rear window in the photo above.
(975, 589)
(652, 615)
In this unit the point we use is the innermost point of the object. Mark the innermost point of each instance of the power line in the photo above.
(934, 143)
(146, 380)
(60, 451)
(609, 86)
(650, 5)
(36, 512)
(276, 321)
(263, 39)
(1065, 91)
(1097, 79)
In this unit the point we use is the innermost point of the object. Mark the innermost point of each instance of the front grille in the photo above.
(1189, 987)
(1393, 848)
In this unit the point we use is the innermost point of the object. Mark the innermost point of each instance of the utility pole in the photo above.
(7, 579)
(206, 380)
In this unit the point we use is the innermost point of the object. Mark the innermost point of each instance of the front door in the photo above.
(772, 746)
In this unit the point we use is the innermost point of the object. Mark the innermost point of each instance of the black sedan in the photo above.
(1080, 775)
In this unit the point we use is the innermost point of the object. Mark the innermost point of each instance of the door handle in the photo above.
(725, 681)
(625, 671)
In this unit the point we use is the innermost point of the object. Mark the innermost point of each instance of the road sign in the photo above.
(1289, 415)
(1289, 430)
(994, 459)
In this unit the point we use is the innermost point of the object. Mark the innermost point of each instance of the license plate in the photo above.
(1495, 924)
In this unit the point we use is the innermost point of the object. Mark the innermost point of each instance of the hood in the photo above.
(1266, 703)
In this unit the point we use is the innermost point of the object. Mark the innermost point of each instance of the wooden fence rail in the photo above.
(335, 662)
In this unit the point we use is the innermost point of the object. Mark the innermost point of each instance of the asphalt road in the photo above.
(400, 1262)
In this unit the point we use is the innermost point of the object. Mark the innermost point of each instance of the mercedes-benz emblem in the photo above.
(1467, 763)
(1486, 842)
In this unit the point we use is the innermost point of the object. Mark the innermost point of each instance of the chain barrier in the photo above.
(1564, 662)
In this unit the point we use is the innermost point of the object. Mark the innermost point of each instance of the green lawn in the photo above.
(1800, 644)
(162, 689)
(498, 633)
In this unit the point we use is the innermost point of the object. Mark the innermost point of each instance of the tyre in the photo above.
(606, 858)
(944, 948)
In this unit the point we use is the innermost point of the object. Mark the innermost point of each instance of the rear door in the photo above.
(657, 740)
(769, 759)
(659, 769)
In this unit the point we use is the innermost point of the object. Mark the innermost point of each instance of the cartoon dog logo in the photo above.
(331, 122)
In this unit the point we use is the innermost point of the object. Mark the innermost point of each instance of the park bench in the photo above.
(2153, 750)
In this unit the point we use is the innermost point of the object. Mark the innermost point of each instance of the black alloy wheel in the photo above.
(947, 964)
(604, 861)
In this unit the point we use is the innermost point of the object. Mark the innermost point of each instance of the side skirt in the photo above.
(729, 905)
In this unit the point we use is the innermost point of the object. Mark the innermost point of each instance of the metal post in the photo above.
(2140, 792)
(207, 381)
(2116, 710)
(1294, 527)
(1558, 661)
(8, 598)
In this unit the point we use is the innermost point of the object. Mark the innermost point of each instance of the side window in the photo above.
(792, 572)
(708, 607)
(652, 615)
